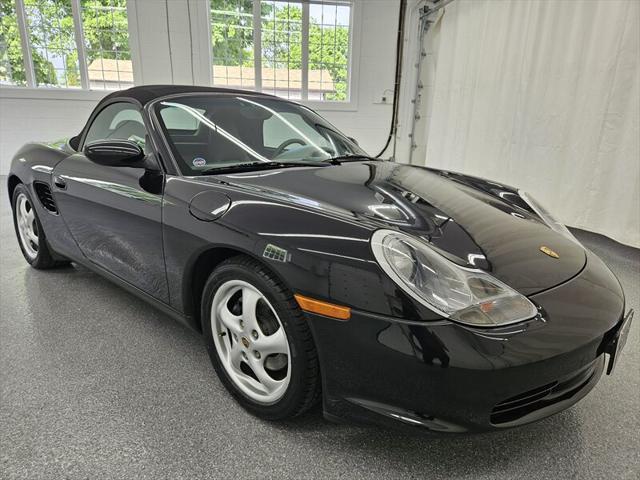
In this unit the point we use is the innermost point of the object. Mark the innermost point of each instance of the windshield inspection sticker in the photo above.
(199, 162)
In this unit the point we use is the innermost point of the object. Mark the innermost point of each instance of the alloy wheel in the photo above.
(27, 226)
(251, 341)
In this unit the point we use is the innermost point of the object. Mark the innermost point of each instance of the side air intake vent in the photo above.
(46, 198)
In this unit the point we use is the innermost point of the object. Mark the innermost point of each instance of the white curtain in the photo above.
(543, 95)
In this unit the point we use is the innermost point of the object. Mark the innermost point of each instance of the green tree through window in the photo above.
(52, 38)
(232, 40)
(11, 63)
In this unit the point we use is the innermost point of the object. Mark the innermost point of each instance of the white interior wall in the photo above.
(169, 45)
(40, 116)
(544, 96)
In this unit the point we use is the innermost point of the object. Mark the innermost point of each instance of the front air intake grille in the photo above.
(525, 403)
(46, 198)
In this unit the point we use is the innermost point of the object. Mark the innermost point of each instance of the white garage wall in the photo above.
(545, 96)
(24, 119)
(180, 53)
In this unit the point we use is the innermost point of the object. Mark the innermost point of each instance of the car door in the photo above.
(114, 213)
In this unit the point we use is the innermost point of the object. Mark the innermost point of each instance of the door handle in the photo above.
(59, 182)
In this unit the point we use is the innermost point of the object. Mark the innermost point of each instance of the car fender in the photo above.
(33, 164)
(315, 253)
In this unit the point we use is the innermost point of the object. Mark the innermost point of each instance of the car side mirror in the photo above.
(115, 153)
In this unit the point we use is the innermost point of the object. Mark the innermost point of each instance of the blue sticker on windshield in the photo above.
(199, 162)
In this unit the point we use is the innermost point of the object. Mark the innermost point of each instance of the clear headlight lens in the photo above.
(465, 295)
(553, 223)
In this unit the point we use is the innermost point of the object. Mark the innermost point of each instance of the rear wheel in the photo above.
(258, 340)
(31, 236)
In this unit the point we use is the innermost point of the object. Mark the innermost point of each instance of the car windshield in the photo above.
(220, 131)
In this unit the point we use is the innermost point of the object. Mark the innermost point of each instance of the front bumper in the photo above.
(447, 377)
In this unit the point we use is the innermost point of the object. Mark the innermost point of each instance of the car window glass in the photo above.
(213, 131)
(118, 121)
(287, 125)
(175, 118)
(124, 115)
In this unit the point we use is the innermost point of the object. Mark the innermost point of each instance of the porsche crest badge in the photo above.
(547, 251)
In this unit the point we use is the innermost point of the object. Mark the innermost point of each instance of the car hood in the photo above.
(480, 224)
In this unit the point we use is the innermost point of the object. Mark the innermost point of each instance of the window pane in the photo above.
(119, 121)
(329, 25)
(282, 48)
(236, 129)
(11, 61)
(106, 37)
(280, 31)
(53, 47)
(175, 118)
(232, 41)
(285, 126)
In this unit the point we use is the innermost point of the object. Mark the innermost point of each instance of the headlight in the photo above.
(465, 295)
(553, 223)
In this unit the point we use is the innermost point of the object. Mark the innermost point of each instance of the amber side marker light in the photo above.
(323, 308)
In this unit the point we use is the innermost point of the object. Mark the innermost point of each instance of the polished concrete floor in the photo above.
(96, 384)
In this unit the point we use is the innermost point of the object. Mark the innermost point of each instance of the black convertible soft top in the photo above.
(146, 93)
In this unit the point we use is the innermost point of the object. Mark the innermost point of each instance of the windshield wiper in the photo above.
(350, 157)
(254, 166)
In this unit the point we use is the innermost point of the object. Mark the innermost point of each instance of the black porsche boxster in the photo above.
(392, 293)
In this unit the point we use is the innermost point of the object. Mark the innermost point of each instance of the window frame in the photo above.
(78, 29)
(355, 25)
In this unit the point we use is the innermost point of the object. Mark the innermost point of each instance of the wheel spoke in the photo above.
(235, 356)
(23, 209)
(264, 378)
(30, 217)
(270, 344)
(32, 236)
(249, 305)
(228, 319)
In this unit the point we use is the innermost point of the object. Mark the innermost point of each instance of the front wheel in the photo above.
(258, 340)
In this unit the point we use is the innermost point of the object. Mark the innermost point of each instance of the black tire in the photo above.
(303, 390)
(45, 258)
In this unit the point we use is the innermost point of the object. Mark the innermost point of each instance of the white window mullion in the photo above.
(80, 45)
(26, 44)
(304, 63)
(257, 44)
